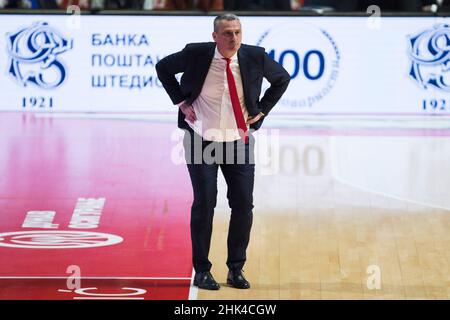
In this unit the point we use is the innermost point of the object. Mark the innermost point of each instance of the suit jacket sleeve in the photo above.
(279, 80)
(167, 68)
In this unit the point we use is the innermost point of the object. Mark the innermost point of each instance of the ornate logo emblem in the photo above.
(33, 53)
(430, 55)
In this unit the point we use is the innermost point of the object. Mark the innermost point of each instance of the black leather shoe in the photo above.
(205, 280)
(236, 279)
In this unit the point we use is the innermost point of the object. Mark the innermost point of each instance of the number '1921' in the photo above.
(37, 102)
(436, 105)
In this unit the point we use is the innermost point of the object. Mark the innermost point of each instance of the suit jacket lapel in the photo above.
(244, 68)
(203, 63)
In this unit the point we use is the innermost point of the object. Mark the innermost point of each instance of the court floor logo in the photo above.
(57, 239)
(33, 55)
(430, 57)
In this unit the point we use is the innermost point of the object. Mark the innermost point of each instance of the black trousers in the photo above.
(236, 161)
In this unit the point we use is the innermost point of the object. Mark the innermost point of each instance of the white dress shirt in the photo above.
(213, 108)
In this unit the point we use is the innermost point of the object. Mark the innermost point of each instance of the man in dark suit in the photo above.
(218, 100)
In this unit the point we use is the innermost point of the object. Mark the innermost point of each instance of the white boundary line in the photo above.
(105, 298)
(296, 121)
(101, 278)
(387, 195)
(334, 176)
(193, 290)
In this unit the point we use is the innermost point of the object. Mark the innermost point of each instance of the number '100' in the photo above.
(304, 65)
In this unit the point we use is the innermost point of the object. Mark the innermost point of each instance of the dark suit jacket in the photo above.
(194, 61)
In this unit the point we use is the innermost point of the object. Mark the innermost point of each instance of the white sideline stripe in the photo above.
(335, 176)
(105, 298)
(103, 278)
(289, 121)
(387, 195)
(193, 290)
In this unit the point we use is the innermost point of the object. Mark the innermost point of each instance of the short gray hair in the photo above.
(225, 16)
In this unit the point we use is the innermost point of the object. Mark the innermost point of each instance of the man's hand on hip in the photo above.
(252, 120)
(188, 111)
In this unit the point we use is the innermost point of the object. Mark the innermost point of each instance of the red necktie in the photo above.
(236, 104)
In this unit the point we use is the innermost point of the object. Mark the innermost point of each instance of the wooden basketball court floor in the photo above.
(340, 203)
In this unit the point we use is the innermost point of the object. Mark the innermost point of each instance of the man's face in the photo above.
(228, 36)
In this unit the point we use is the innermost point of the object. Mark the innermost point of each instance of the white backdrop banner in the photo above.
(338, 65)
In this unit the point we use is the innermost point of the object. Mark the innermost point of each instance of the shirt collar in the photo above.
(218, 55)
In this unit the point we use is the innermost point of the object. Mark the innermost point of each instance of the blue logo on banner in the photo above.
(33, 53)
(310, 55)
(430, 55)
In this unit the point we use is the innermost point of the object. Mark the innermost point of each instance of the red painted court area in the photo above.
(102, 196)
